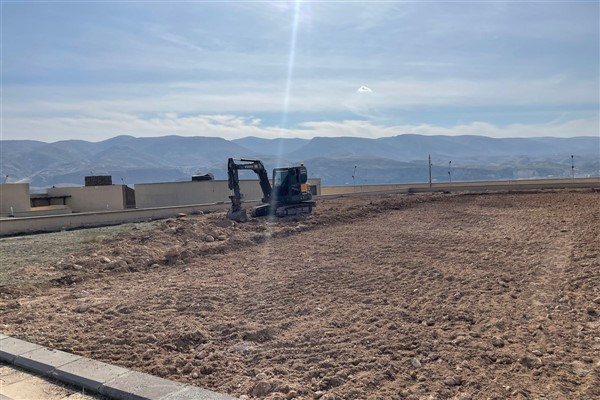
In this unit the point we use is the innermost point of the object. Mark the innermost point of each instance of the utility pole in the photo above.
(449, 173)
(572, 169)
(430, 170)
(354, 178)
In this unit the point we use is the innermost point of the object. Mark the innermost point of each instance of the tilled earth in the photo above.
(489, 296)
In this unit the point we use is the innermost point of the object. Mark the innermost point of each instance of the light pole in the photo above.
(572, 169)
(449, 171)
(354, 178)
(430, 170)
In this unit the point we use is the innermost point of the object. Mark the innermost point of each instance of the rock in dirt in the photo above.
(173, 251)
(82, 294)
(181, 215)
(222, 237)
(592, 311)
(261, 389)
(12, 305)
(261, 376)
(453, 381)
(498, 342)
(527, 362)
(318, 394)
(292, 394)
(117, 265)
(241, 347)
(82, 308)
(415, 363)
(597, 300)
(77, 267)
(209, 238)
(206, 370)
(225, 223)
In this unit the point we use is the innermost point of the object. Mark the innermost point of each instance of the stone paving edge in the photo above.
(109, 380)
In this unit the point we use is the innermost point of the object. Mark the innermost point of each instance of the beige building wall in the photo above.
(92, 198)
(347, 189)
(15, 195)
(550, 183)
(316, 183)
(171, 194)
(47, 210)
(50, 223)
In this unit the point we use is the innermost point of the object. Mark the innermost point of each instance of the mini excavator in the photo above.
(288, 196)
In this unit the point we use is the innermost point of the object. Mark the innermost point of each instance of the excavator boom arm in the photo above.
(234, 182)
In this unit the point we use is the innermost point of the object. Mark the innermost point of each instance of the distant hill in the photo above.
(418, 147)
(400, 158)
(273, 147)
(321, 147)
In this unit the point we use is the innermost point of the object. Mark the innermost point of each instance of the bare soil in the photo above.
(489, 296)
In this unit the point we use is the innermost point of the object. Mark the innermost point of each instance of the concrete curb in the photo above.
(98, 377)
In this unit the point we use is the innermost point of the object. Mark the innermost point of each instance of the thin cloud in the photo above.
(232, 126)
(324, 96)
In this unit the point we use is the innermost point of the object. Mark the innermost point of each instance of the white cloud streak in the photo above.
(216, 97)
(231, 127)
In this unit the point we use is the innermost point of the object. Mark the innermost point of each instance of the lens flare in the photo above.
(291, 60)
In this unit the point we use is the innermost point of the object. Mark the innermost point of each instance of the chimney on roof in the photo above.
(98, 180)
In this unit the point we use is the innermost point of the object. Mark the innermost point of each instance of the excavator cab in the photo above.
(289, 185)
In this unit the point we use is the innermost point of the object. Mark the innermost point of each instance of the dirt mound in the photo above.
(182, 239)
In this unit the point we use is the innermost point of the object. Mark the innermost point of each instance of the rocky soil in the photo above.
(489, 296)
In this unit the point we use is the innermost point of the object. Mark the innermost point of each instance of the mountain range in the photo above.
(336, 160)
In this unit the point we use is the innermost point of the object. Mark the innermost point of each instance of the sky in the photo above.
(94, 70)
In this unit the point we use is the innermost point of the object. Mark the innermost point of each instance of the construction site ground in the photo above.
(430, 296)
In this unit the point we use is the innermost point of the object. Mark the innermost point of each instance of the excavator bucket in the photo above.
(237, 216)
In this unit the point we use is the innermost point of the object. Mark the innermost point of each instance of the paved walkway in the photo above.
(16, 384)
(87, 375)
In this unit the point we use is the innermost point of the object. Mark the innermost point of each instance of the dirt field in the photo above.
(392, 297)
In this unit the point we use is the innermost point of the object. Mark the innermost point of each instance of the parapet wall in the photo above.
(14, 198)
(482, 185)
(92, 198)
(172, 194)
(53, 223)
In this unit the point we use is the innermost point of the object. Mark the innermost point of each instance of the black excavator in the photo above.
(288, 196)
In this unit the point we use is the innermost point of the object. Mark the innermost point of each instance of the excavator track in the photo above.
(284, 210)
